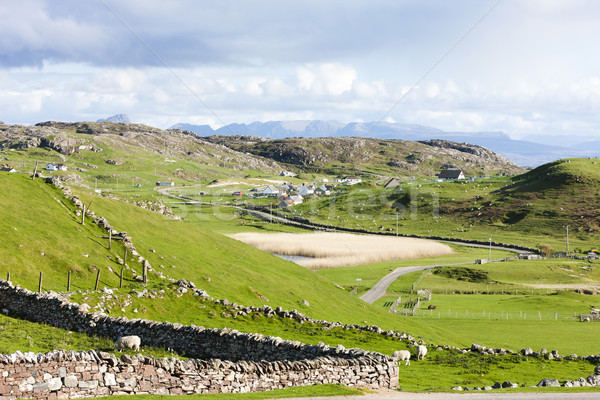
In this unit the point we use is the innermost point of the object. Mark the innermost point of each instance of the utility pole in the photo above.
(567, 228)
(490, 253)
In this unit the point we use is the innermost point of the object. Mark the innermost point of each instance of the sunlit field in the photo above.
(331, 250)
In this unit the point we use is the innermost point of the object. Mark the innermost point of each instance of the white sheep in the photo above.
(402, 355)
(128, 342)
(421, 352)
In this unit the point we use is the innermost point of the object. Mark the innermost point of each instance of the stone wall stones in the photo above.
(68, 374)
(228, 360)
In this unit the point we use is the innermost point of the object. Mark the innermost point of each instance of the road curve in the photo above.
(380, 287)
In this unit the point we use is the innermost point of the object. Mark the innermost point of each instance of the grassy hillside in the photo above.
(49, 238)
(41, 233)
(532, 209)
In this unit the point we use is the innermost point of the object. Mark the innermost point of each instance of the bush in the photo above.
(546, 249)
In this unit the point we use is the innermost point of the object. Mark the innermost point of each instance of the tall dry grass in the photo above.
(330, 250)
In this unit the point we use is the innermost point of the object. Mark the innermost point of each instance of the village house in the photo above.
(351, 180)
(273, 191)
(451, 174)
(322, 190)
(165, 183)
(289, 174)
(297, 199)
(286, 201)
(290, 187)
(56, 167)
(306, 190)
(394, 182)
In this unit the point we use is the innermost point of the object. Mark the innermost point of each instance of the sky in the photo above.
(529, 68)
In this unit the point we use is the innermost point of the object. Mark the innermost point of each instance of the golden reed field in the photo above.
(330, 250)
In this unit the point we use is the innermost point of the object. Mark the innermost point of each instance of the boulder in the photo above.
(548, 382)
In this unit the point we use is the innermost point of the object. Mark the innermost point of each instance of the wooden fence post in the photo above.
(97, 279)
(145, 273)
(83, 216)
(109, 238)
(8, 276)
(40, 285)
(69, 282)
(121, 280)
(125, 256)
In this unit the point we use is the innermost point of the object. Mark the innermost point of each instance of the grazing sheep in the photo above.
(402, 355)
(421, 352)
(128, 342)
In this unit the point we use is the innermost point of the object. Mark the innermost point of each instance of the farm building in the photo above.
(165, 183)
(394, 182)
(289, 174)
(451, 174)
(351, 180)
(56, 167)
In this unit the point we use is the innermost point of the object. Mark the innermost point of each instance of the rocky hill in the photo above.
(524, 152)
(123, 139)
(386, 157)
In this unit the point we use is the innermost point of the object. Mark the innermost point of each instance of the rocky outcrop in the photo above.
(391, 154)
(68, 138)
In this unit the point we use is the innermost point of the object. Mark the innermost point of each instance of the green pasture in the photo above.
(513, 276)
(372, 273)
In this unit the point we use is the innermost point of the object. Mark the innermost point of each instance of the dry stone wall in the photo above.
(227, 360)
(65, 374)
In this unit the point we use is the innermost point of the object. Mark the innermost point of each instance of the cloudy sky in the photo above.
(525, 67)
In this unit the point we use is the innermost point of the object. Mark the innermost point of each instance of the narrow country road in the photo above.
(380, 287)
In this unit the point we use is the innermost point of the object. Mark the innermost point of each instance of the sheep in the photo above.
(421, 352)
(402, 355)
(128, 342)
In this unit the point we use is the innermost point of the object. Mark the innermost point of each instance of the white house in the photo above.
(273, 190)
(289, 174)
(56, 167)
(306, 190)
(351, 180)
(451, 173)
(297, 199)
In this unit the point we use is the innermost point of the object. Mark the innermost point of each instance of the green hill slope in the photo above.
(42, 234)
(542, 203)
(531, 209)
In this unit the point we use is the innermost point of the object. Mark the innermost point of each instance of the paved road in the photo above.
(487, 395)
(380, 287)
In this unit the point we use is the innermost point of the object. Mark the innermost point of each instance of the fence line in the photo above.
(498, 315)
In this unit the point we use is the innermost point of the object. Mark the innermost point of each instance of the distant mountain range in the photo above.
(523, 152)
(123, 118)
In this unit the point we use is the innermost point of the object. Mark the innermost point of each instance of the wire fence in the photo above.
(496, 315)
